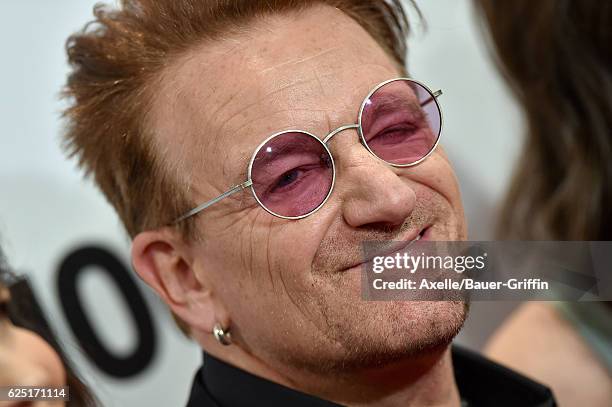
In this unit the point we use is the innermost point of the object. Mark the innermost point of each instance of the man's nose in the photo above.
(373, 192)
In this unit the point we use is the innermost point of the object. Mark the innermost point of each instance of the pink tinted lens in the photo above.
(292, 174)
(400, 122)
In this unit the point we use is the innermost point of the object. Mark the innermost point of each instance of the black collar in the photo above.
(481, 382)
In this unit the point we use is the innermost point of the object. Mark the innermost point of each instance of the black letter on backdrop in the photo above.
(70, 271)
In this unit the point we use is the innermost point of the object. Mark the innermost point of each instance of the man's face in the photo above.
(290, 286)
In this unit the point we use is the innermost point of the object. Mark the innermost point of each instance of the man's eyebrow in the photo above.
(296, 145)
(389, 103)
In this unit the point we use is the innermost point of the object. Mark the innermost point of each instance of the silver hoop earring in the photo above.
(221, 335)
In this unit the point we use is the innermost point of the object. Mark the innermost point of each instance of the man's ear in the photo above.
(164, 261)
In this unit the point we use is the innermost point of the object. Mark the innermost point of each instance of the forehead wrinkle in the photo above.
(315, 129)
(226, 121)
(203, 60)
(299, 60)
(240, 44)
(316, 77)
(357, 96)
(270, 77)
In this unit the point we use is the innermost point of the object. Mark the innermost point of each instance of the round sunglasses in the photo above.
(292, 173)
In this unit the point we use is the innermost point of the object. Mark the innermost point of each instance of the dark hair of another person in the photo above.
(23, 311)
(557, 57)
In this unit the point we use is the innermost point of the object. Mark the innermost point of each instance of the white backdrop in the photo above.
(47, 210)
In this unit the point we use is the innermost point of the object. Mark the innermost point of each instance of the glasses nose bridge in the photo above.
(339, 130)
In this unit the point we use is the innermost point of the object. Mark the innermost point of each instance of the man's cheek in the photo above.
(437, 174)
(291, 258)
(298, 240)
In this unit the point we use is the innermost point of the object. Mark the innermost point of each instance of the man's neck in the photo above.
(425, 380)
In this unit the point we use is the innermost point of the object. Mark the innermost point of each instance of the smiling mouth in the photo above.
(397, 246)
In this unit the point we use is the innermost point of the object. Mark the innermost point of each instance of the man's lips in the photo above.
(395, 246)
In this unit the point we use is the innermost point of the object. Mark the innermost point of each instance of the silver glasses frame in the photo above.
(249, 182)
(434, 98)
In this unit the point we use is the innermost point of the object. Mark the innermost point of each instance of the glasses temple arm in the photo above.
(436, 94)
(205, 205)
